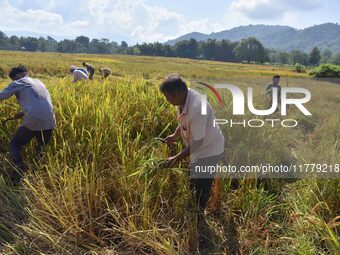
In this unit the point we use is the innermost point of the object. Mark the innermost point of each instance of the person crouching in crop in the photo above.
(204, 142)
(106, 72)
(37, 112)
(79, 73)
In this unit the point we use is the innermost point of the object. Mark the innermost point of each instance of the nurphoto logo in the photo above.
(239, 105)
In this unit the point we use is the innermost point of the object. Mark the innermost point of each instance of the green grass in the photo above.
(99, 189)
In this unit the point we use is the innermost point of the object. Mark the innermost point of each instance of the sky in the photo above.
(156, 20)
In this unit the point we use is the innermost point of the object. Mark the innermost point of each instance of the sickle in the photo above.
(213, 90)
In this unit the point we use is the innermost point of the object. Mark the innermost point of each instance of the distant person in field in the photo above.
(79, 73)
(90, 70)
(269, 90)
(204, 142)
(106, 72)
(37, 113)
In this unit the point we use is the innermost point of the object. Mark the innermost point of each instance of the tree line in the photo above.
(248, 50)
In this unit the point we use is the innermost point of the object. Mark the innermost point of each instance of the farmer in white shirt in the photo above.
(37, 112)
(203, 141)
(79, 73)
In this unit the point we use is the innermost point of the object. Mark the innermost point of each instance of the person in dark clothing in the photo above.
(90, 70)
(269, 90)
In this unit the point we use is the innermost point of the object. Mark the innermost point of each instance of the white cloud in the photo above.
(42, 16)
(118, 13)
(302, 5)
(290, 18)
(271, 9)
(144, 22)
(257, 9)
(101, 18)
(16, 19)
(136, 20)
(80, 23)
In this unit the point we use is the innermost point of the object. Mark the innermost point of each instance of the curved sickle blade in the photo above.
(213, 90)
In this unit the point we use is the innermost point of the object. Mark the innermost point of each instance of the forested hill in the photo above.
(278, 37)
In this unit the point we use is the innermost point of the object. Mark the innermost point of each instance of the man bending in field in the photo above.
(203, 141)
(79, 73)
(90, 70)
(106, 72)
(37, 112)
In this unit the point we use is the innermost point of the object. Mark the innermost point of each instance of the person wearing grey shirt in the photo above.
(269, 91)
(274, 84)
(37, 112)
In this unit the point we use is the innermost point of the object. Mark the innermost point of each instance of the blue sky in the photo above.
(156, 20)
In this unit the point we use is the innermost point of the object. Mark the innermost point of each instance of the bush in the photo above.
(326, 71)
(2, 73)
(299, 68)
(335, 59)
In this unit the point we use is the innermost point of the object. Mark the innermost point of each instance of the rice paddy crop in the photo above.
(103, 188)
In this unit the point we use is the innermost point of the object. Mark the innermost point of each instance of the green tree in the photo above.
(336, 59)
(43, 44)
(102, 46)
(83, 43)
(4, 42)
(158, 49)
(68, 46)
(124, 44)
(83, 40)
(283, 57)
(297, 56)
(52, 44)
(168, 50)
(145, 49)
(326, 56)
(133, 50)
(14, 42)
(314, 56)
(30, 43)
(209, 49)
(249, 50)
(187, 48)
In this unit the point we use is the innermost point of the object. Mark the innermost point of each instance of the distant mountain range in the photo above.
(324, 36)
